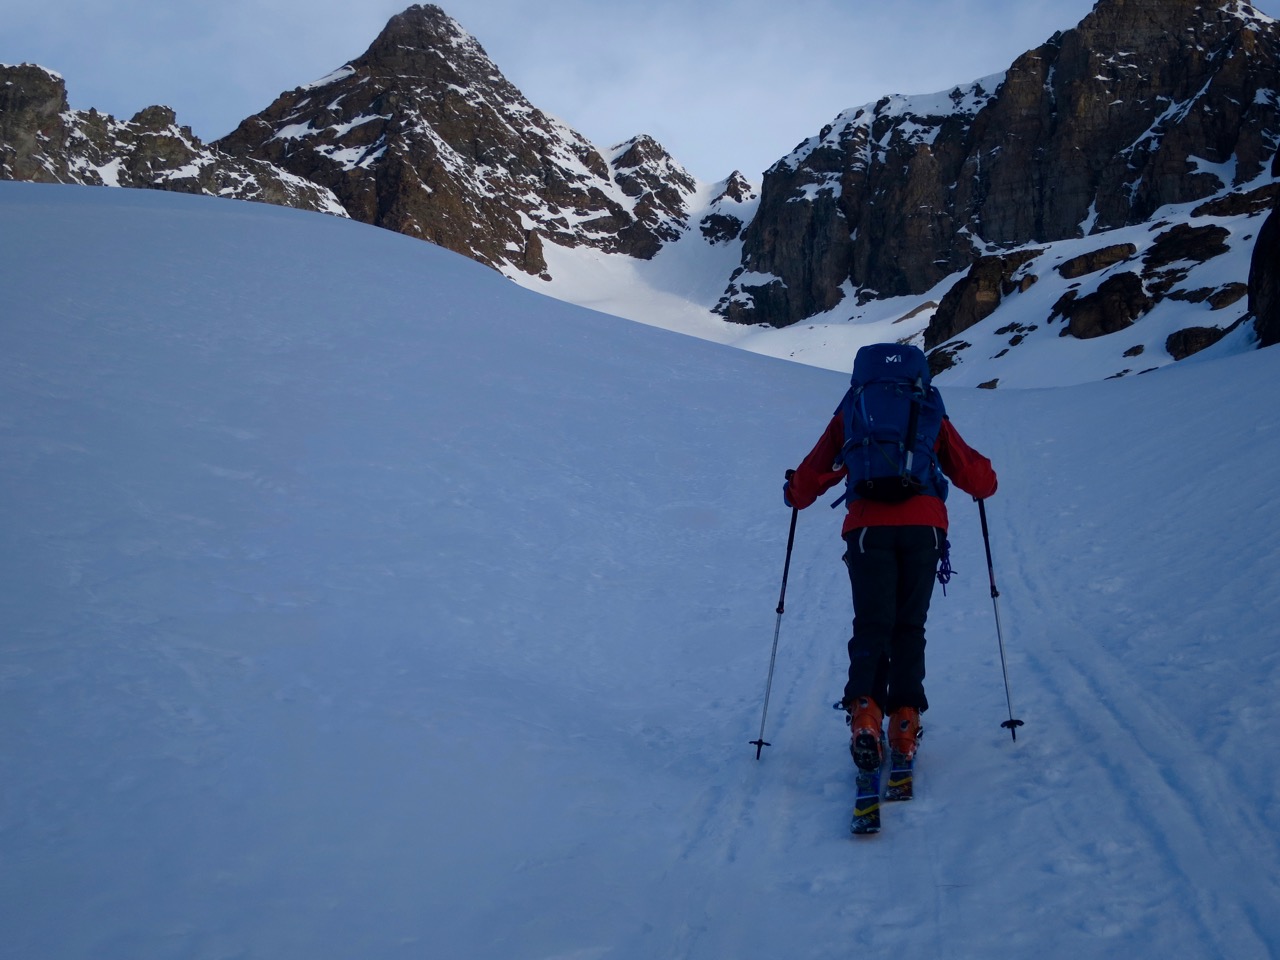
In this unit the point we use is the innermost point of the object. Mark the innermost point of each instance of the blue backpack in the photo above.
(891, 414)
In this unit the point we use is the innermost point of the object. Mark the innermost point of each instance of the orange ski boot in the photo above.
(866, 721)
(904, 732)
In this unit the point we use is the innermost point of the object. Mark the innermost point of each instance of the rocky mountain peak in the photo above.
(155, 119)
(426, 45)
(424, 135)
(421, 27)
(643, 153)
(737, 188)
(733, 202)
(660, 186)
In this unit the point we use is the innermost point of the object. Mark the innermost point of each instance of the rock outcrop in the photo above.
(978, 294)
(1119, 301)
(1095, 260)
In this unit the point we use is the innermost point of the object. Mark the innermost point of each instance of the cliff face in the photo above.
(1264, 275)
(1145, 103)
(423, 135)
(43, 140)
(33, 107)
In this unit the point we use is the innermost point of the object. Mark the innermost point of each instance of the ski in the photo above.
(901, 781)
(866, 807)
(900, 785)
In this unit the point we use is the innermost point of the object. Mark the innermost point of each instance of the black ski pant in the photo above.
(891, 570)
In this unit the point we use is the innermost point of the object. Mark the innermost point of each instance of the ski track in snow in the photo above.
(350, 617)
(1147, 786)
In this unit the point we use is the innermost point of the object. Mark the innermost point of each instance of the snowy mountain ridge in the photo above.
(43, 139)
(918, 119)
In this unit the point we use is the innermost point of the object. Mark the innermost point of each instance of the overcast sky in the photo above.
(723, 84)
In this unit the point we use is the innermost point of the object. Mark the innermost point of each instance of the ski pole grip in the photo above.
(986, 542)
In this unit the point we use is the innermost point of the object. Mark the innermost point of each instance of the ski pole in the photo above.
(761, 743)
(1011, 723)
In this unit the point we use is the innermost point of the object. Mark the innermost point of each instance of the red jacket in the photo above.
(967, 469)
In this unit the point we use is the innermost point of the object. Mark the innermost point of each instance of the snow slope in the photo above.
(1021, 344)
(358, 603)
